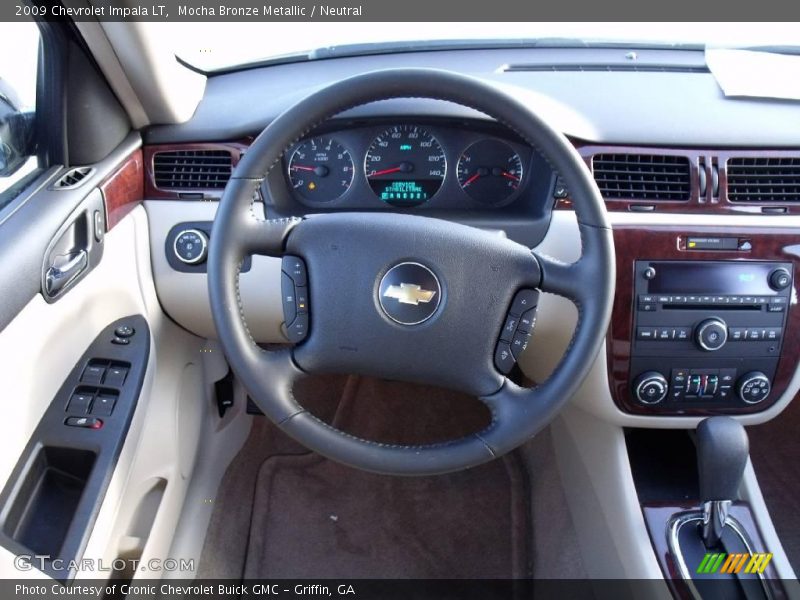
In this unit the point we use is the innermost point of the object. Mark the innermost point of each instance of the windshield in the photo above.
(214, 46)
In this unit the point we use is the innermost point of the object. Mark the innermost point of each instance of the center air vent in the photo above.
(769, 179)
(642, 176)
(192, 169)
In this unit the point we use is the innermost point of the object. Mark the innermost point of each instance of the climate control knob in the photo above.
(711, 334)
(650, 387)
(753, 387)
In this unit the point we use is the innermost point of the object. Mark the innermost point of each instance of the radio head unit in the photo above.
(707, 334)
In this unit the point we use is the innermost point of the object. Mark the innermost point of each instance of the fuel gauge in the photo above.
(490, 171)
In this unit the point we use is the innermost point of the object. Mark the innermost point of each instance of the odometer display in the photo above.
(405, 166)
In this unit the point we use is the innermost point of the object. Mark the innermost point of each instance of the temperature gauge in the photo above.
(490, 171)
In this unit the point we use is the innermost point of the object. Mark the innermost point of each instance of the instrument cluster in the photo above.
(411, 165)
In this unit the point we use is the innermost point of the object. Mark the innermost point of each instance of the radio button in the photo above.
(776, 308)
(683, 333)
(645, 333)
(773, 333)
(780, 279)
(647, 306)
(737, 334)
(664, 334)
(754, 335)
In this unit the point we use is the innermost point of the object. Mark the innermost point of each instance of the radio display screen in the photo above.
(712, 278)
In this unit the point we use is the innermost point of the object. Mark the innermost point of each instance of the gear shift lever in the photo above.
(722, 451)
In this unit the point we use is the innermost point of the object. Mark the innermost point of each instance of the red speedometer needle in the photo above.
(299, 168)
(510, 176)
(385, 171)
(471, 179)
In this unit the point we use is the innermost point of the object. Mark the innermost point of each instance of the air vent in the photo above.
(192, 169)
(642, 176)
(769, 179)
(72, 178)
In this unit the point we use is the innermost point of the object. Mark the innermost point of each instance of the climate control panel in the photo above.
(707, 334)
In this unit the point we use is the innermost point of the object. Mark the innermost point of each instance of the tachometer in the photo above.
(405, 165)
(321, 169)
(490, 171)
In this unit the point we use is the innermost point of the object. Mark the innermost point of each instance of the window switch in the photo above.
(103, 405)
(79, 403)
(84, 422)
(93, 374)
(116, 376)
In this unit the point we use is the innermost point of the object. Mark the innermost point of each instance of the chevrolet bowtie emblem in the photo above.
(408, 293)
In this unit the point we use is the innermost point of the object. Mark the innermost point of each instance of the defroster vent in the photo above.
(766, 179)
(642, 176)
(192, 169)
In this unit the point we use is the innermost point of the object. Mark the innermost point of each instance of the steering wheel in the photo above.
(452, 287)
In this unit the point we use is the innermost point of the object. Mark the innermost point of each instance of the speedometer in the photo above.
(405, 165)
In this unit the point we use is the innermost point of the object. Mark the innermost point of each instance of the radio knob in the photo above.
(753, 387)
(779, 279)
(650, 387)
(711, 334)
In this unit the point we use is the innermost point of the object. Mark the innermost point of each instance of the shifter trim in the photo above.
(673, 530)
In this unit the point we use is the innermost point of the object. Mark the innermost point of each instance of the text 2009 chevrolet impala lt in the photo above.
(476, 311)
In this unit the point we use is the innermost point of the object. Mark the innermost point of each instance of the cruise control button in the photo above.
(503, 358)
(297, 331)
(509, 328)
(301, 297)
(295, 268)
(524, 301)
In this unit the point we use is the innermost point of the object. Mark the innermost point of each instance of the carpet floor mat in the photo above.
(775, 453)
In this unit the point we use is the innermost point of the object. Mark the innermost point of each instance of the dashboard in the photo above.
(722, 191)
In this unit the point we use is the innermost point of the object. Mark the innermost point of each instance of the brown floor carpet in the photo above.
(310, 517)
(775, 453)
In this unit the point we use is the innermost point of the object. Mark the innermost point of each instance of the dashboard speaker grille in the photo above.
(642, 176)
(765, 179)
(192, 169)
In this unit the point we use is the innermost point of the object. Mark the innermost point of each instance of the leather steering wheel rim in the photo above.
(518, 413)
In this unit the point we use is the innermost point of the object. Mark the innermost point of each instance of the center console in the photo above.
(701, 329)
(707, 334)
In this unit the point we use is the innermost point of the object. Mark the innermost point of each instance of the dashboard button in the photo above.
(84, 422)
(773, 333)
(645, 333)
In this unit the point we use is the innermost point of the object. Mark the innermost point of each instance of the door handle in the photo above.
(58, 276)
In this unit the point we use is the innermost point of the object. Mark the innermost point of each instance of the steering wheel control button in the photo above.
(503, 358)
(298, 330)
(753, 387)
(124, 331)
(301, 299)
(509, 328)
(84, 422)
(650, 387)
(289, 299)
(409, 293)
(519, 343)
(524, 301)
(527, 321)
(191, 246)
(295, 268)
(711, 334)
